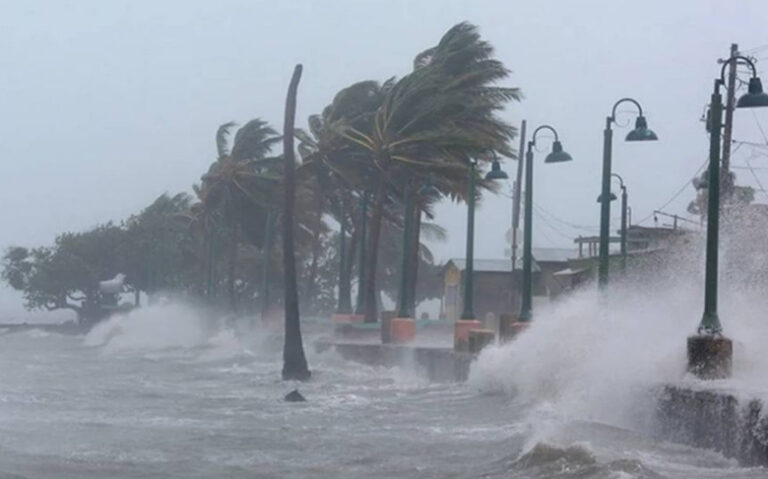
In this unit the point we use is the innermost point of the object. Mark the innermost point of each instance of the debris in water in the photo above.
(294, 396)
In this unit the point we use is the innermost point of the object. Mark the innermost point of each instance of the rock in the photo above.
(294, 396)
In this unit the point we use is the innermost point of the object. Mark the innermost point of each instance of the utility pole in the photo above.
(730, 105)
(516, 212)
(516, 194)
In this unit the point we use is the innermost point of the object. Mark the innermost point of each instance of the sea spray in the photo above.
(601, 356)
(162, 326)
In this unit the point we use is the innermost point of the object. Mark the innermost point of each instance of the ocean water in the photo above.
(166, 392)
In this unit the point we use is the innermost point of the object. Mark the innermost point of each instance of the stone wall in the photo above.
(714, 420)
(437, 364)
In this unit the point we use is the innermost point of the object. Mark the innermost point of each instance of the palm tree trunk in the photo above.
(371, 308)
(232, 266)
(345, 280)
(413, 261)
(294, 360)
(309, 287)
(267, 266)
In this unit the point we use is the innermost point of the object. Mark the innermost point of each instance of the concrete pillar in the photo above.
(479, 338)
(506, 321)
(710, 357)
(402, 330)
(385, 319)
(461, 330)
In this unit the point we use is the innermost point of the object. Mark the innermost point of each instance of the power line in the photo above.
(674, 197)
(752, 51)
(757, 180)
(760, 127)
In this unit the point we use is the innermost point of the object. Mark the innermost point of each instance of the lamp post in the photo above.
(468, 310)
(624, 214)
(640, 133)
(496, 173)
(709, 352)
(556, 156)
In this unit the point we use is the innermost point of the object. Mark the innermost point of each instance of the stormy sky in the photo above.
(107, 104)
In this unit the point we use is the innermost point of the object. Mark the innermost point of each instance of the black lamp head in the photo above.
(557, 155)
(612, 197)
(755, 97)
(496, 172)
(641, 131)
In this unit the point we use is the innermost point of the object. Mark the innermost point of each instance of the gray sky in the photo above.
(106, 105)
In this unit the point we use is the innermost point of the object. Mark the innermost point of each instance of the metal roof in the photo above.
(554, 255)
(540, 255)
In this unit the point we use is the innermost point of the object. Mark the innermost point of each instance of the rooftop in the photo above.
(504, 265)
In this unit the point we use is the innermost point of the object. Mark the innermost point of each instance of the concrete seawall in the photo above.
(437, 364)
(716, 420)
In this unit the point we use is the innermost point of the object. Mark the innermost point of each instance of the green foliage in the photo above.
(65, 275)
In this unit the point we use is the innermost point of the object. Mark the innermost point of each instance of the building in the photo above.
(497, 287)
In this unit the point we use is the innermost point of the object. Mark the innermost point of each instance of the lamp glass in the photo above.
(557, 155)
(496, 172)
(755, 97)
(641, 131)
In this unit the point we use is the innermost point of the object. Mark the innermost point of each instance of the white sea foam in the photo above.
(156, 327)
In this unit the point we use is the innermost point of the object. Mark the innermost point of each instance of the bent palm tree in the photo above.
(294, 360)
(437, 119)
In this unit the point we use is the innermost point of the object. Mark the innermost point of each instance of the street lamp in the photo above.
(496, 173)
(709, 352)
(639, 133)
(624, 210)
(556, 156)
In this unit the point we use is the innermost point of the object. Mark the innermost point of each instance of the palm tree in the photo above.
(240, 186)
(436, 119)
(294, 360)
(331, 168)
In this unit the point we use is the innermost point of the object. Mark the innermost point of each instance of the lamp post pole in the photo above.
(527, 290)
(557, 155)
(710, 322)
(605, 204)
(709, 352)
(640, 133)
(623, 228)
(624, 215)
(469, 312)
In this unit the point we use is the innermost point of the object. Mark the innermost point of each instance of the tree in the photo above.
(67, 274)
(294, 360)
(155, 249)
(240, 186)
(437, 119)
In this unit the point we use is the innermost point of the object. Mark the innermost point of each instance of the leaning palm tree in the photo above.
(331, 169)
(240, 185)
(437, 119)
(294, 360)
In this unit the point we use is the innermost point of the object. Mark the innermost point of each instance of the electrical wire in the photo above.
(674, 197)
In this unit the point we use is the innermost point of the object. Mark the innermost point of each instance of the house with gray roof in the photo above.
(497, 284)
